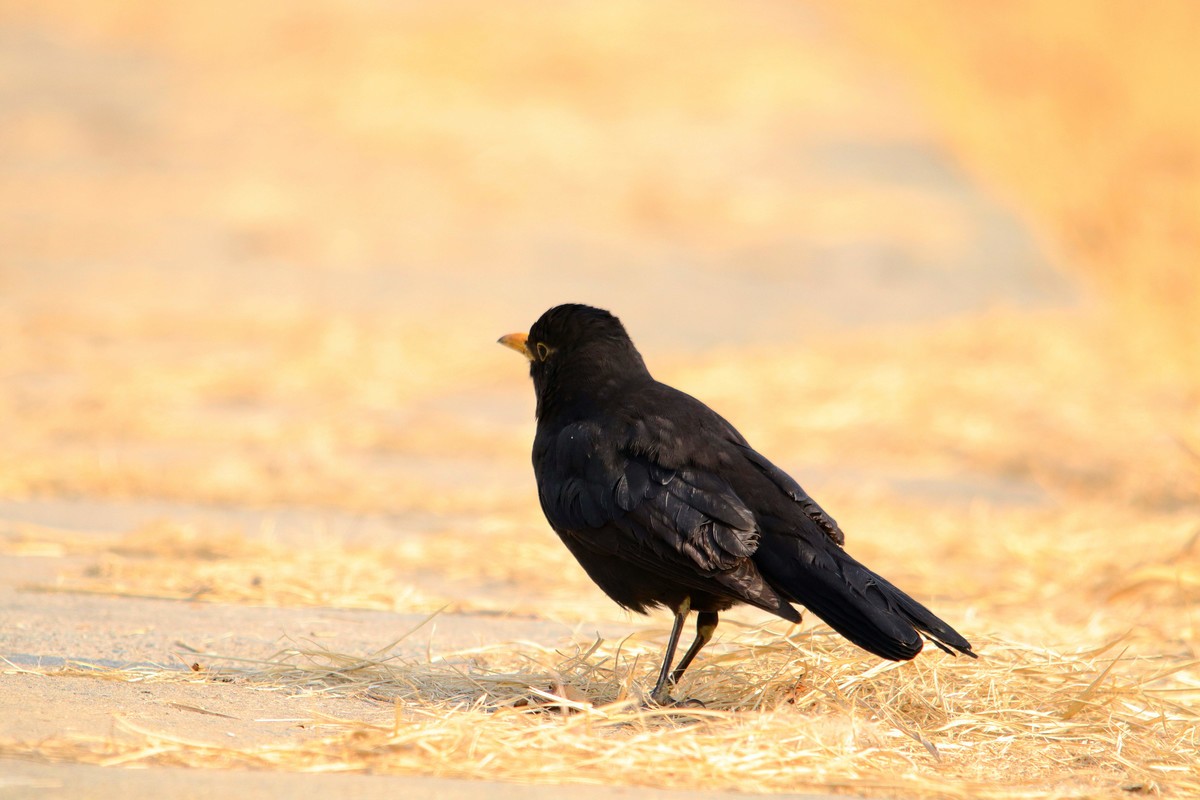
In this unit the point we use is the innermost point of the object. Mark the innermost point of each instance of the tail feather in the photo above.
(853, 600)
(939, 632)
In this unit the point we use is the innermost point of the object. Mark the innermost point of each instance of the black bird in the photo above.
(664, 503)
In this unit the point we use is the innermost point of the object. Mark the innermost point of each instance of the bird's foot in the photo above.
(664, 700)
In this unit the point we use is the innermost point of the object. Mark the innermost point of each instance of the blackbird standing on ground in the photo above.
(664, 503)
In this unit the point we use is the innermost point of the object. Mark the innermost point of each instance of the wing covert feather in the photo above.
(667, 514)
(788, 486)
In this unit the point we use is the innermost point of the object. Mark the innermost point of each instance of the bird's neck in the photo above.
(582, 387)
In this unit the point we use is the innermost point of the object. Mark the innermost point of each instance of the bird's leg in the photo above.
(660, 695)
(706, 626)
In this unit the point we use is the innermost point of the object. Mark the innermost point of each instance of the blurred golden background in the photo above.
(215, 215)
(940, 260)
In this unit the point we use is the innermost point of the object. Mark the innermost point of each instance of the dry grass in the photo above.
(1085, 613)
(412, 572)
(354, 413)
(1036, 573)
(784, 712)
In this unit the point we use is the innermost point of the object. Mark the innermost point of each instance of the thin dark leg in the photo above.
(660, 695)
(706, 626)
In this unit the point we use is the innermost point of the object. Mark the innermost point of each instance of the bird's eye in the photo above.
(543, 352)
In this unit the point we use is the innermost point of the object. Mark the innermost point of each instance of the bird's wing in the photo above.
(788, 486)
(681, 519)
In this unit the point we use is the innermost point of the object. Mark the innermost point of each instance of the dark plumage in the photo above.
(665, 504)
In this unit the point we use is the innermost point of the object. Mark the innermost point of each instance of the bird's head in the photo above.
(577, 354)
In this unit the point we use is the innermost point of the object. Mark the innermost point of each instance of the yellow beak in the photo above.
(516, 341)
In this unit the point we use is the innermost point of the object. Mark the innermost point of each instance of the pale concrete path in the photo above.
(23, 779)
(42, 631)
